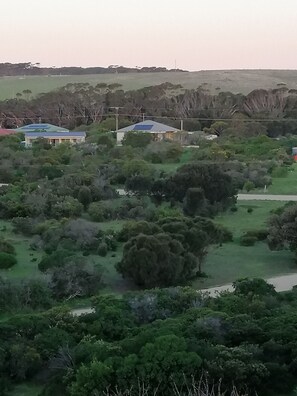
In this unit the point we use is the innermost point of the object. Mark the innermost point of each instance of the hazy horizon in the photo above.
(193, 35)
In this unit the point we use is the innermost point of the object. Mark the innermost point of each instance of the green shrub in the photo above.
(102, 249)
(250, 210)
(248, 186)
(225, 234)
(7, 260)
(6, 247)
(247, 240)
(279, 171)
(54, 260)
(100, 211)
(260, 235)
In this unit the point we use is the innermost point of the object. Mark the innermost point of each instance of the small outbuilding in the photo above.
(159, 131)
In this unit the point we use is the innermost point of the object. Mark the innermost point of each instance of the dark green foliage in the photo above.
(194, 202)
(133, 229)
(139, 184)
(6, 247)
(50, 171)
(247, 240)
(106, 141)
(54, 260)
(283, 229)
(137, 139)
(215, 185)
(31, 294)
(261, 235)
(156, 261)
(102, 249)
(84, 196)
(7, 260)
(162, 340)
(253, 287)
(100, 211)
(250, 210)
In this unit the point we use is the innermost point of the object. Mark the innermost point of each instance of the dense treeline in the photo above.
(82, 104)
(160, 340)
(30, 69)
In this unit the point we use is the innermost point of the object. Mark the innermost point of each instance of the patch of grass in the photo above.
(241, 221)
(25, 268)
(112, 280)
(231, 261)
(285, 185)
(25, 390)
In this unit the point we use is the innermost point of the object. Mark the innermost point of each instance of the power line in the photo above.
(141, 115)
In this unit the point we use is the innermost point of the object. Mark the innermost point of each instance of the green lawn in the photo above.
(25, 390)
(285, 185)
(232, 261)
(281, 185)
(27, 258)
(242, 221)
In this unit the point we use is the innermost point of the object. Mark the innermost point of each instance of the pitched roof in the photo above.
(149, 126)
(68, 135)
(41, 128)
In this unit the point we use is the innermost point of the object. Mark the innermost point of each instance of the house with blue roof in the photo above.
(159, 131)
(53, 134)
(55, 138)
(41, 128)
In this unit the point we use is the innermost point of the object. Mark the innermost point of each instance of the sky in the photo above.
(193, 34)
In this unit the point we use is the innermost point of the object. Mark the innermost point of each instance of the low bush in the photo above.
(6, 247)
(7, 260)
(280, 171)
(102, 249)
(247, 240)
(54, 260)
(260, 235)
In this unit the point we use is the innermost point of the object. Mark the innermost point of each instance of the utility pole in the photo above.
(143, 117)
(181, 125)
(116, 108)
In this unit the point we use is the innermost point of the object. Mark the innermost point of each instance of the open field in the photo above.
(236, 81)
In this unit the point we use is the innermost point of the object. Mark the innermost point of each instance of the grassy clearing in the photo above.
(25, 390)
(242, 221)
(27, 258)
(285, 185)
(237, 81)
(172, 167)
(232, 261)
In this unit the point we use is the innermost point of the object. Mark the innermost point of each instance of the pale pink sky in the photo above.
(198, 34)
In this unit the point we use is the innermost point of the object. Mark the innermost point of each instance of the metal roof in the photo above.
(41, 128)
(149, 126)
(66, 135)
